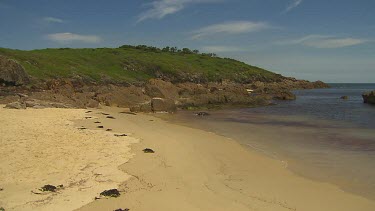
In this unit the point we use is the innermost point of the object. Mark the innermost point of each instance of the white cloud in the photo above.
(322, 41)
(293, 4)
(70, 37)
(158, 9)
(52, 20)
(221, 49)
(236, 27)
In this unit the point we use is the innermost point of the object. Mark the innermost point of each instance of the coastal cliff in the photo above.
(132, 76)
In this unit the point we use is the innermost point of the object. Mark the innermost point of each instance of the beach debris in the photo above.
(110, 117)
(2, 209)
(1, 189)
(48, 188)
(88, 112)
(97, 122)
(88, 117)
(82, 128)
(202, 114)
(344, 97)
(128, 112)
(105, 114)
(126, 209)
(109, 129)
(110, 193)
(120, 135)
(148, 150)
(100, 126)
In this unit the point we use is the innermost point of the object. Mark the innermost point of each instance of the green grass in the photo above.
(128, 64)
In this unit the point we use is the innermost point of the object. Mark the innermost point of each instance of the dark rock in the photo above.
(110, 193)
(108, 129)
(120, 135)
(126, 209)
(48, 188)
(16, 105)
(12, 73)
(82, 128)
(369, 97)
(147, 150)
(88, 117)
(100, 127)
(97, 122)
(344, 97)
(110, 117)
(88, 112)
(163, 105)
(202, 114)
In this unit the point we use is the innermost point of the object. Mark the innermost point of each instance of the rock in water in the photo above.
(163, 105)
(285, 95)
(12, 73)
(344, 97)
(369, 97)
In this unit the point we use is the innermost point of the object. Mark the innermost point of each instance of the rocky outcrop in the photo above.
(369, 97)
(157, 95)
(12, 73)
(284, 95)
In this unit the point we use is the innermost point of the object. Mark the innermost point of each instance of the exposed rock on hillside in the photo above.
(11, 72)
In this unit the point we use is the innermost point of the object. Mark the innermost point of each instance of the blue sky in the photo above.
(330, 40)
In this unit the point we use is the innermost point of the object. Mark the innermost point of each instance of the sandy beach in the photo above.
(191, 169)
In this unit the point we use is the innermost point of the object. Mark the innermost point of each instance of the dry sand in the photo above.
(40, 147)
(191, 169)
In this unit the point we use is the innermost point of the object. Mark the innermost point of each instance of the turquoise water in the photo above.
(318, 136)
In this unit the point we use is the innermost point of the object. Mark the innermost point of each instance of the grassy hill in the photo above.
(131, 64)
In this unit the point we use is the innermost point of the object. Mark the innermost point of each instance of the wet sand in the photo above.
(191, 169)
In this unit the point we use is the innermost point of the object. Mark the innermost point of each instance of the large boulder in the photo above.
(163, 105)
(369, 97)
(12, 73)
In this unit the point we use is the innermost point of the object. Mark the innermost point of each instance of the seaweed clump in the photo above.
(110, 193)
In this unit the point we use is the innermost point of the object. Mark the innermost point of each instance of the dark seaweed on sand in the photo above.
(48, 188)
(148, 150)
(110, 193)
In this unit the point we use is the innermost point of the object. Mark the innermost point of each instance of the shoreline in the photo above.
(192, 169)
(197, 170)
(283, 149)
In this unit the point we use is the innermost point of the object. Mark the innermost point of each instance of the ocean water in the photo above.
(318, 136)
